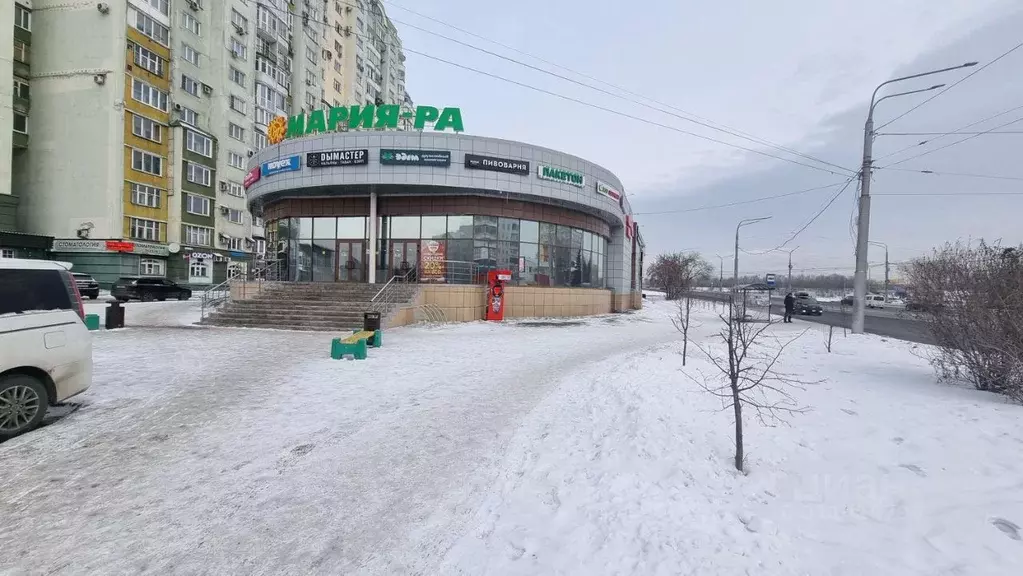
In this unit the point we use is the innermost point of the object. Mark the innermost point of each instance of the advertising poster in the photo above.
(432, 267)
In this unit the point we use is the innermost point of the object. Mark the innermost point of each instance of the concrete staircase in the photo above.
(311, 306)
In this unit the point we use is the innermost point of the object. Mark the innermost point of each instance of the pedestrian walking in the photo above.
(790, 304)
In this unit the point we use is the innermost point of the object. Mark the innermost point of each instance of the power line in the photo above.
(1020, 193)
(812, 220)
(739, 203)
(943, 133)
(963, 174)
(954, 84)
(596, 106)
(968, 138)
(958, 131)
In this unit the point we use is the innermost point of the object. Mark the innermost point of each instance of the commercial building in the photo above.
(443, 208)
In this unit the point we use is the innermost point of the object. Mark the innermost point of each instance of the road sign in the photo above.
(770, 280)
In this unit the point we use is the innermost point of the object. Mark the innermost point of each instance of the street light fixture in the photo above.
(789, 280)
(742, 223)
(863, 228)
(886, 269)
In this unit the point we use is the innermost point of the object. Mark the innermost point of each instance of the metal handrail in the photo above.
(213, 296)
(377, 300)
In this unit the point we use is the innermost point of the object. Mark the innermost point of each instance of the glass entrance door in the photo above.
(404, 257)
(351, 265)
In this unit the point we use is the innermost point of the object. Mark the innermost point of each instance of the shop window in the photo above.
(459, 227)
(547, 233)
(434, 227)
(404, 227)
(484, 227)
(6, 252)
(305, 228)
(353, 227)
(198, 269)
(324, 228)
(508, 229)
(149, 267)
(564, 237)
(323, 257)
(587, 241)
(529, 231)
(528, 255)
(577, 239)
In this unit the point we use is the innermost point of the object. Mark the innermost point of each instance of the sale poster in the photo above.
(432, 265)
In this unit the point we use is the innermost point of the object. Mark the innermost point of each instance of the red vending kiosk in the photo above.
(495, 294)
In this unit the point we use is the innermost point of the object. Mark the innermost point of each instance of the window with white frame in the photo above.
(188, 116)
(260, 247)
(263, 116)
(149, 60)
(148, 94)
(142, 195)
(238, 20)
(20, 51)
(145, 128)
(236, 76)
(21, 88)
(266, 19)
(267, 97)
(235, 131)
(163, 6)
(142, 229)
(198, 269)
(20, 123)
(196, 142)
(257, 221)
(198, 205)
(149, 27)
(236, 160)
(190, 85)
(235, 243)
(238, 104)
(6, 252)
(22, 17)
(188, 22)
(191, 55)
(150, 267)
(310, 54)
(198, 174)
(145, 162)
(310, 100)
(198, 235)
(235, 189)
(337, 66)
(260, 140)
(235, 216)
(239, 50)
(337, 86)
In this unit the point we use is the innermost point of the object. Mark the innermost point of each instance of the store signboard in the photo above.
(606, 190)
(331, 158)
(363, 117)
(289, 164)
(415, 157)
(79, 246)
(545, 172)
(477, 162)
(142, 248)
(432, 265)
(251, 178)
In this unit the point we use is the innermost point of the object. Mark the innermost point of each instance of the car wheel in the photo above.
(184, 295)
(23, 403)
(146, 297)
(93, 296)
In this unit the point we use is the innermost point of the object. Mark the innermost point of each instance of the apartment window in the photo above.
(149, 27)
(235, 131)
(20, 122)
(238, 20)
(162, 5)
(338, 48)
(190, 85)
(188, 116)
(142, 195)
(148, 94)
(22, 17)
(235, 189)
(257, 221)
(199, 205)
(191, 55)
(199, 144)
(198, 174)
(236, 76)
(150, 267)
(188, 22)
(267, 97)
(198, 236)
(237, 104)
(145, 162)
(238, 49)
(263, 116)
(20, 88)
(148, 60)
(266, 19)
(310, 54)
(235, 159)
(310, 100)
(337, 86)
(20, 51)
(236, 217)
(145, 128)
(260, 247)
(142, 229)
(337, 66)
(260, 141)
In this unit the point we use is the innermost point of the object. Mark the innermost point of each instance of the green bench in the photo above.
(356, 344)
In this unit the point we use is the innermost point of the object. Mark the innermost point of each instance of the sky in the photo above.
(796, 74)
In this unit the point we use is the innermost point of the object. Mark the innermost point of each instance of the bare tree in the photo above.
(676, 273)
(751, 378)
(828, 338)
(682, 322)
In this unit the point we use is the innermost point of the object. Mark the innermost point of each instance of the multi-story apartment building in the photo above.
(144, 115)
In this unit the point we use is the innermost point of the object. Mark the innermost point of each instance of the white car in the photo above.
(45, 348)
(876, 301)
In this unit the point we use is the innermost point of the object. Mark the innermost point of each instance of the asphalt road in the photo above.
(897, 324)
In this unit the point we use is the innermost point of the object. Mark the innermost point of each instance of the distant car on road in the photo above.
(45, 348)
(87, 285)
(806, 305)
(148, 289)
(876, 301)
(848, 300)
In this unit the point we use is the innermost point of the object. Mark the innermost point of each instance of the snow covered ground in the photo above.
(151, 314)
(531, 447)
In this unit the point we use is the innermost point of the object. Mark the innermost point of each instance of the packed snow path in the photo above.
(247, 451)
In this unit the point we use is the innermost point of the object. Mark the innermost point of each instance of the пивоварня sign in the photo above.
(415, 157)
(476, 162)
(560, 175)
(330, 158)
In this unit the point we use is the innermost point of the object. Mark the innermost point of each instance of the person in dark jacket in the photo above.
(790, 304)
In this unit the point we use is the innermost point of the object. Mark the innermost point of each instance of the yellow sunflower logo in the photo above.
(277, 129)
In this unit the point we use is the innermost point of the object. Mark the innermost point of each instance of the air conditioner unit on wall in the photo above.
(223, 186)
(193, 4)
(224, 210)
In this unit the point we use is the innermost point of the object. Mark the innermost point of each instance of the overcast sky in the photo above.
(797, 73)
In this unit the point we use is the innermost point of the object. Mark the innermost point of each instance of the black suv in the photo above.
(87, 285)
(148, 289)
(807, 305)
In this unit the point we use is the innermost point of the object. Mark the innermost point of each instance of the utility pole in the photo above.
(735, 285)
(887, 269)
(863, 226)
(789, 280)
(721, 272)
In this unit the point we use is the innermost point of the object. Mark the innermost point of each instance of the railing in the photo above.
(213, 296)
(452, 272)
(389, 294)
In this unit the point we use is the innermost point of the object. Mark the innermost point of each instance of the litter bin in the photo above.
(371, 323)
(115, 315)
(92, 321)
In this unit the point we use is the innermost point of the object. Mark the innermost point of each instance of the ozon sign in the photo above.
(364, 117)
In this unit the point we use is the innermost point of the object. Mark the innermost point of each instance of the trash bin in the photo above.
(92, 321)
(115, 315)
(371, 323)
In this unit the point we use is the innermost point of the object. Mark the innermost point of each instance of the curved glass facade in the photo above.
(452, 249)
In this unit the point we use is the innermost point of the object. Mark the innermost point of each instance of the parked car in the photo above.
(848, 300)
(148, 289)
(45, 348)
(807, 305)
(87, 285)
(876, 301)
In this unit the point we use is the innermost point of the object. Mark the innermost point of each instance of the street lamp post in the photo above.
(789, 280)
(721, 272)
(742, 223)
(886, 268)
(863, 228)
